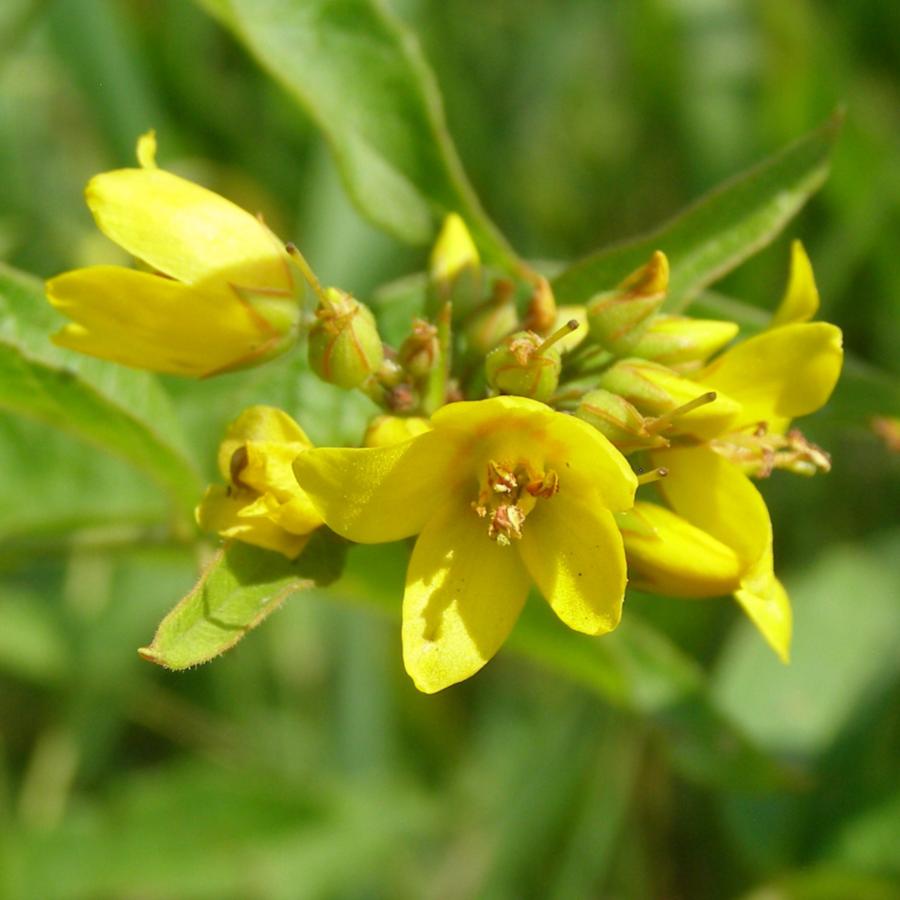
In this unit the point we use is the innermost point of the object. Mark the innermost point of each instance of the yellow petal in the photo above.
(463, 595)
(186, 231)
(801, 298)
(573, 551)
(716, 496)
(149, 322)
(779, 374)
(766, 602)
(385, 493)
(221, 512)
(513, 429)
(265, 426)
(673, 557)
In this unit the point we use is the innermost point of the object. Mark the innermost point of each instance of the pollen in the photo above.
(508, 494)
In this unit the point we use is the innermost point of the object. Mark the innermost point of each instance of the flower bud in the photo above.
(526, 364)
(541, 311)
(617, 319)
(683, 342)
(490, 324)
(261, 503)
(686, 406)
(454, 271)
(344, 345)
(617, 419)
(384, 431)
(419, 351)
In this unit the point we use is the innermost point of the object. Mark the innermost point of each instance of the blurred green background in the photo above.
(304, 763)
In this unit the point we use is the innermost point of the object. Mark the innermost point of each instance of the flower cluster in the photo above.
(511, 437)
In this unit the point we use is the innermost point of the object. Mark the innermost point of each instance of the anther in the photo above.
(662, 422)
(558, 335)
(653, 475)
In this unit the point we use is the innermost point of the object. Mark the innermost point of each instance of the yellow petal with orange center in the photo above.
(463, 595)
(384, 493)
(573, 551)
(513, 430)
(780, 374)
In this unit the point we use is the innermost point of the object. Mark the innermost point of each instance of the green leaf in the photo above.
(362, 78)
(635, 669)
(124, 412)
(240, 588)
(844, 652)
(718, 232)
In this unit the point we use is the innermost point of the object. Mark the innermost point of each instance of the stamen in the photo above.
(558, 335)
(653, 475)
(661, 422)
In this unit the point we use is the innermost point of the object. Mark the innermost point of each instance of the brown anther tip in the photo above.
(709, 396)
(662, 472)
(290, 247)
(572, 324)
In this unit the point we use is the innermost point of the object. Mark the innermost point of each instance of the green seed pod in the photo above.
(344, 345)
(526, 364)
(518, 366)
(683, 342)
(420, 350)
(617, 419)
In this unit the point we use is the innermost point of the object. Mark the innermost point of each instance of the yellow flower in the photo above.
(715, 537)
(220, 294)
(262, 503)
(501, 492)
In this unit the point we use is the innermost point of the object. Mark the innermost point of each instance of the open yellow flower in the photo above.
(715, 537)
(502, 493)
(261, 503)
(220, 293)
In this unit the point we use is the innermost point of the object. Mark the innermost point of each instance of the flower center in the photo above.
(508, 494)
(760, 452)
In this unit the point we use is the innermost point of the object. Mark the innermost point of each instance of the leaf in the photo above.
(124, 412)
(719, 231)
(240, 588)
(635, 669)
(362, 78)
(844, 652)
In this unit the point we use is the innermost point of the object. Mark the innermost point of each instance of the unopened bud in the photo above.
(419, 351)
(617, 319)
(541, 312)
(344, 345)
(527, 365)
(454, 270)
(683, 406)
(384, 431)
(494, 321)
(683, 342)
(618, 420)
